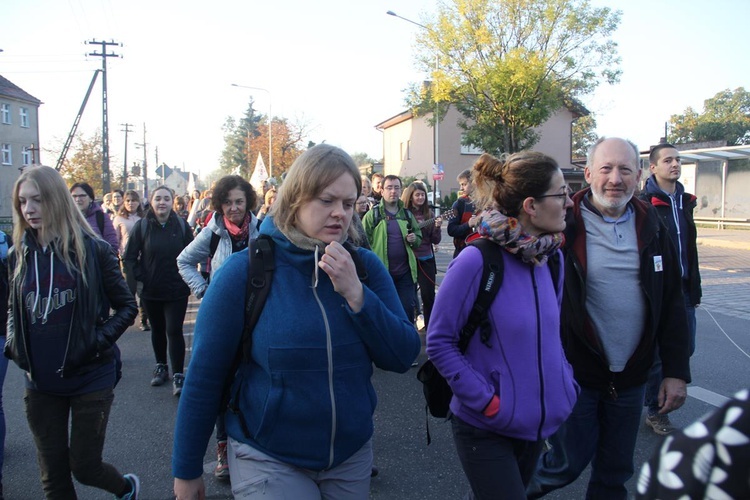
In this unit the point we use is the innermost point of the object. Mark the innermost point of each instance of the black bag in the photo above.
(437, 392)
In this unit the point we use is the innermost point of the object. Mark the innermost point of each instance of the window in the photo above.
(406, 150)
(470, 150)
(5, 154)
(5, 112)
(26, 156)
(25, 117)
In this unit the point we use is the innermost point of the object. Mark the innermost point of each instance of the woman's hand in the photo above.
(438, 221)
(339, 266)
(189, 489)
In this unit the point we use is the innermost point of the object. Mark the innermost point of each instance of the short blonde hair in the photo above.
(313, 171)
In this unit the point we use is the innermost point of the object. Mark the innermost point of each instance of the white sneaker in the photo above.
(420, 322)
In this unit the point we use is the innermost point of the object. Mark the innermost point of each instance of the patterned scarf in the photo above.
(508, 233)
(238, 233)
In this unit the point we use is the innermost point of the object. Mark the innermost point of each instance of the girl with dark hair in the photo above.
(101, 223)
(64, 282)
(520, 359)
(151, 257)
(230, 230)
(415, 199)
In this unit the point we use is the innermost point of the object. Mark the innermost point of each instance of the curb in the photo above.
(736, 245)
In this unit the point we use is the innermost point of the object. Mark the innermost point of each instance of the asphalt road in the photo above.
(140, 431)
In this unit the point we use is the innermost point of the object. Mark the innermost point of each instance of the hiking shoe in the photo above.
(222, 464)
(161, 374)
(660, 424)
(135, 488)
(178, 380)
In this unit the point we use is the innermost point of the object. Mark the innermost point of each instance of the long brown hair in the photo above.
(406, 197)
(63, 224)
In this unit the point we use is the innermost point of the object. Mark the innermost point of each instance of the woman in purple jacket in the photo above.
(513, 389)
(83, 195)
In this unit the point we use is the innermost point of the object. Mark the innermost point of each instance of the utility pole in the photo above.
(106, 186)
(145, 164)
(125, 161)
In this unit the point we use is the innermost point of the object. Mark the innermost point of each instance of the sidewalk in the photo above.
(738, 239)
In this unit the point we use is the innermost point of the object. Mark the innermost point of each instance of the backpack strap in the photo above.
(213, 245)
(261, 265)
(492, 278)
(100, 222)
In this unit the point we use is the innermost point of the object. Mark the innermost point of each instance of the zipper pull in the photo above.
(612, 391)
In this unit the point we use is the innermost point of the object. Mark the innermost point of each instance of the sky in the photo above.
(340, 67)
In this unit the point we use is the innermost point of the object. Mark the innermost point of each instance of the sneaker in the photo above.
(161, 374)
(660, 424)
(178, 380)
(145, 327)
(135, 488)
(222, 464)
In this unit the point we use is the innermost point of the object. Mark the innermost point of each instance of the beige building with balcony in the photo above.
(19, 138)
(408, 146)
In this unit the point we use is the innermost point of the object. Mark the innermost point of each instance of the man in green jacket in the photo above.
(393, 233)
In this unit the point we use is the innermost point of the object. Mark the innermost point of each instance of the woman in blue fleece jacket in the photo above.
(513, 389)
(305, 395)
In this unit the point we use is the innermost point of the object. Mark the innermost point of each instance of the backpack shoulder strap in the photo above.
(100, 222)
(259, 278)
(376, 216)
(213, 245)
(492, 279)
(554, 269)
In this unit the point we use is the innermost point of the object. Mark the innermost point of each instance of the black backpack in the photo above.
(260, 271)
(437, 392)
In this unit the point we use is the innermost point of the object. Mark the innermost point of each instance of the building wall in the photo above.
(554, 141)
(18, 137)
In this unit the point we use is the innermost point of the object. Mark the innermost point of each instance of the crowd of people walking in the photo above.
(547, 379)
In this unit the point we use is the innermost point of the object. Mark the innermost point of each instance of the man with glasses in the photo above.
(393, 233)
(623, 298)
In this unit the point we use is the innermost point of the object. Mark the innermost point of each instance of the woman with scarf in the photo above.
(64, 280)
(301, 424)
(229, 230)
(513, 389)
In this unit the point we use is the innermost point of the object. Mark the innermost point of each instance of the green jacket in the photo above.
(376, 229)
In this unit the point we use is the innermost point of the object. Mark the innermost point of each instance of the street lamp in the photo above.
(270, 120)
(436, 131)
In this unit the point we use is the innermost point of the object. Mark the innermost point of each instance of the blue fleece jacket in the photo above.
(306, 394)
(524, 364)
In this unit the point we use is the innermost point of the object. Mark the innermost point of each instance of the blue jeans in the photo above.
(600, 430)
(654, 375)
(407, 293)
(494, 463)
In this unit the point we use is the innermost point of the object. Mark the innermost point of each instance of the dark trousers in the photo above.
(136, 287)
(653, 384)
(407, 293)
(81, 454)
(426, 280)
(166, 319)
(496, 466)
(601, 431)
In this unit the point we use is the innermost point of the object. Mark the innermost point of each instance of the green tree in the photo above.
(507, 65)
(725, 117)
(583, 136)
(84, 163)
(237, 138)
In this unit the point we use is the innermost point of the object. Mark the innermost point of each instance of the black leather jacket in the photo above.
(93, 332)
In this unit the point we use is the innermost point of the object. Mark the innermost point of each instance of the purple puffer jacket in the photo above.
(109, 234)
(524, 364)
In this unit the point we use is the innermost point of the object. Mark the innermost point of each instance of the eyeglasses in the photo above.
(563, 196)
